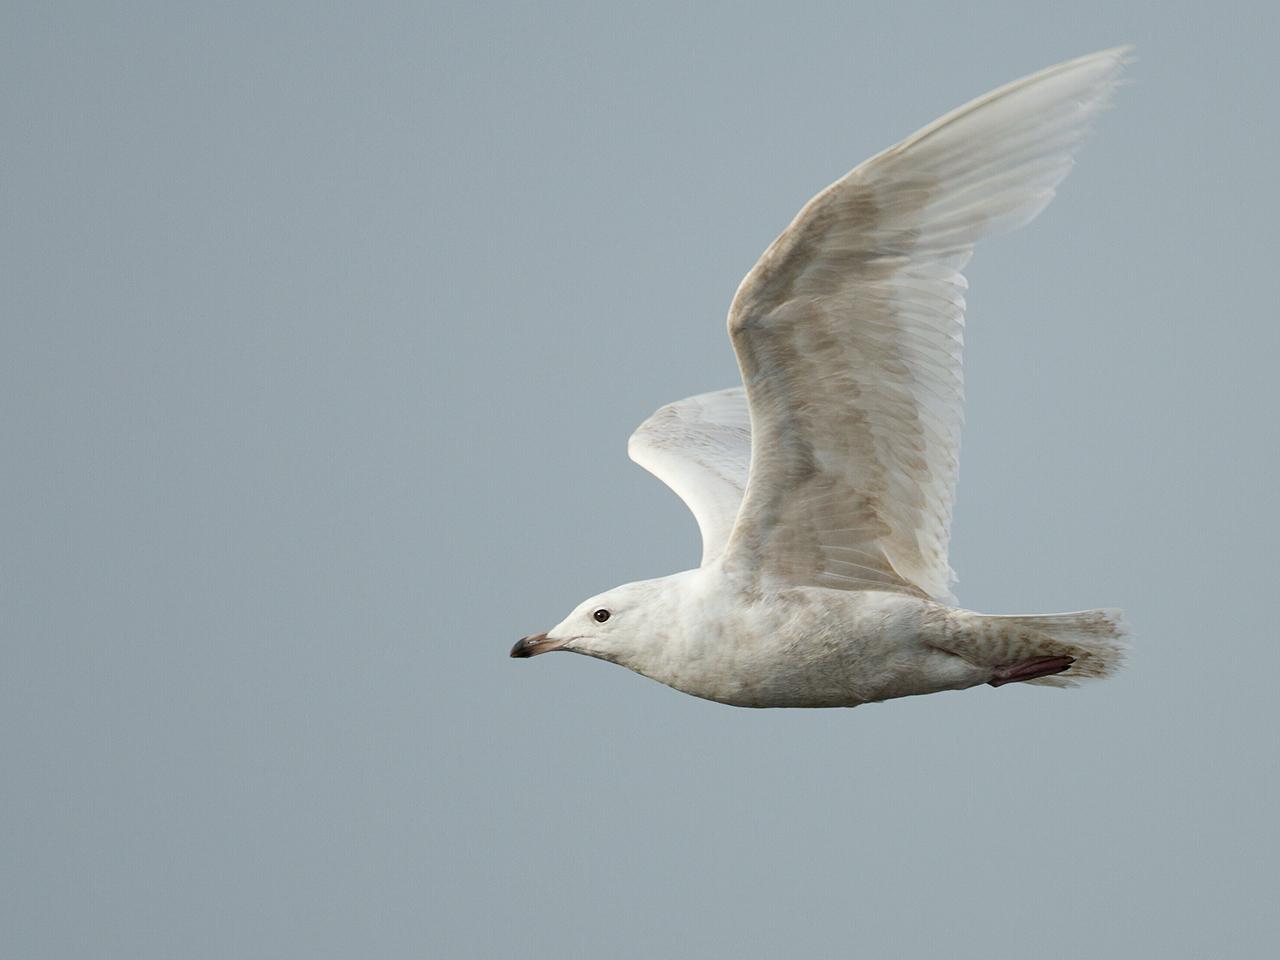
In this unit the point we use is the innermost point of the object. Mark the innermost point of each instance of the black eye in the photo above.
(601, 615)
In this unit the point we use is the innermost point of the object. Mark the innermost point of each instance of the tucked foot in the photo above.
(1030, 670)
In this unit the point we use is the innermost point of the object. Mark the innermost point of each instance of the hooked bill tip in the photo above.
(527, 646)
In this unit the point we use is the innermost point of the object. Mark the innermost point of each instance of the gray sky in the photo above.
(322, 332)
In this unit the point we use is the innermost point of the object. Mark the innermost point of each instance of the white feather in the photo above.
(701, 448)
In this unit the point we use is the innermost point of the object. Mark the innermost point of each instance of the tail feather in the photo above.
(1096, 640)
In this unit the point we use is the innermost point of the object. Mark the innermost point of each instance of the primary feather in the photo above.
(700, 447)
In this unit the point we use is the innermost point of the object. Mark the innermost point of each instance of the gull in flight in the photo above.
(823, 486)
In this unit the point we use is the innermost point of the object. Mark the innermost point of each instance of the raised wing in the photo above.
(701, 449)
(848, 333)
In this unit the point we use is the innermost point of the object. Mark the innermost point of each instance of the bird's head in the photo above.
(620, 625)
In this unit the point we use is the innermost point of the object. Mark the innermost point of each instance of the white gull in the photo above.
(823, 487)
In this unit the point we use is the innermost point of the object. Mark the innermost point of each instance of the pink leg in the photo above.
(1030, 669)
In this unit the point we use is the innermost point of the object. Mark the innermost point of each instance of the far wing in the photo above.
(701, 448)
(848, 333)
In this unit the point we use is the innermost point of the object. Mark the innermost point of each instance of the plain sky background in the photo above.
(322, 330)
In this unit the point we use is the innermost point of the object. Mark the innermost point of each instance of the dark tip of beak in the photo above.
(528, 646)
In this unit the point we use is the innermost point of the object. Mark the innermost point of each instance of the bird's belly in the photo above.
(851, 649)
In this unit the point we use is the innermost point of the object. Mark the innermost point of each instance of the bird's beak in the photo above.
(534, 645)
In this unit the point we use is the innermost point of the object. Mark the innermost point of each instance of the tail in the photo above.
(1087, 645)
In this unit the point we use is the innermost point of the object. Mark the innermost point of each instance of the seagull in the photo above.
(823, 486)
